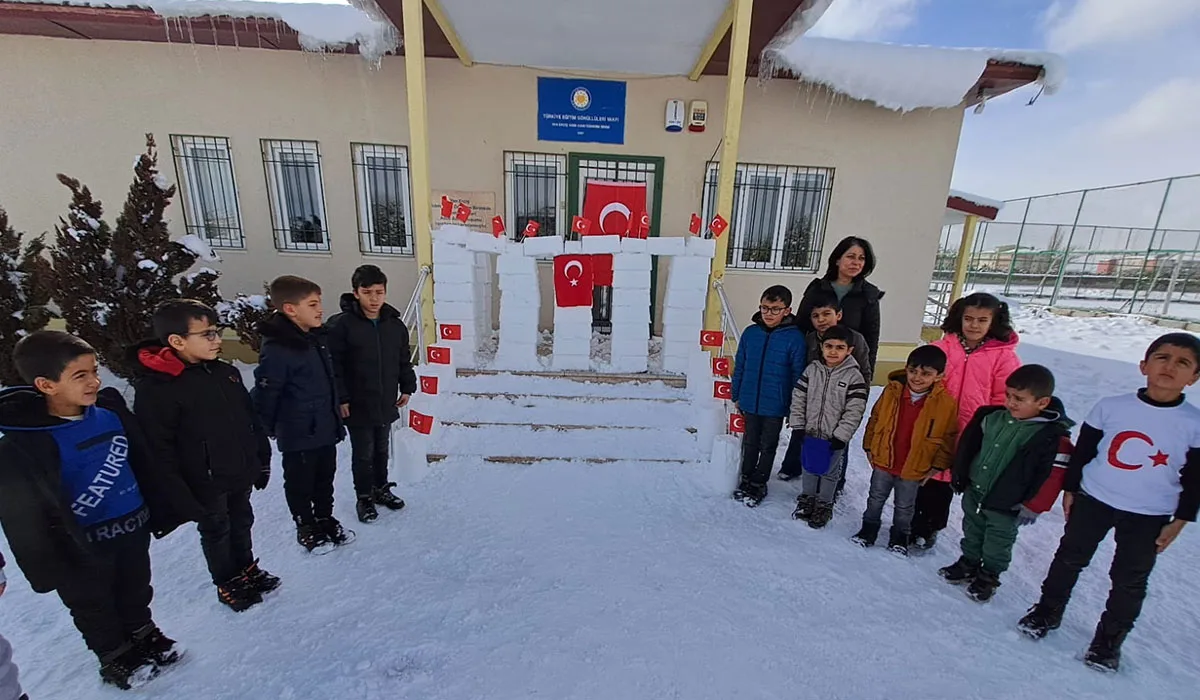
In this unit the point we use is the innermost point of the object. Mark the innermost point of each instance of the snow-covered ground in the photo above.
(634, 580)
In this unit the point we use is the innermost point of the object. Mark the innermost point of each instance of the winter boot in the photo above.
(925, 543)
(755, 493)
(310, 536)
(804, 507)
(743, 488)
(260, 580)
(898, 543)
(984, 586)
(383, 496)
(128, 669)
(866, 535)
(961, 572)
(1104, 653)
(237, 594)
(822, 513)
(784, 476)
(365, 508)
(156, 646)
(1040, 620)
(334, 531)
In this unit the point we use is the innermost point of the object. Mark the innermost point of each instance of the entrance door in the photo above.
(647, 169)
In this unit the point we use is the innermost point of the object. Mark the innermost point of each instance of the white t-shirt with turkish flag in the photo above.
(1141, 454)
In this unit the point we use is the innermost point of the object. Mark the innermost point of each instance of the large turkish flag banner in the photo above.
(613, 207)
(573, 280)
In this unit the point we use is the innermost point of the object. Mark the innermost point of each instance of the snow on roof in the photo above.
(895, 76)
(976, 199)
(330, 24)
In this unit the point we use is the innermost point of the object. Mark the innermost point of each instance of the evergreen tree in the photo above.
(243, 315)
(26, 283)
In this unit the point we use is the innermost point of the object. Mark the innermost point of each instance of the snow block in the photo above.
(700, 377)
(572, 331)
(628, 365)
(453, 234)
(409, 455)
(639, 314)
(689, 272)
(667, 245)
(702, 247)
(710, 423)
(572, 248)
(453, 292)
(452, 255)
(720, 475)
(453, 273)
(631, 279)
(513, 315)
(564, 361)
(630, 297)
(576, 314)
(454, 311)
(543, 247)
(515, 263)
(675, 364)
(674, 316)
(601, 244)
(486, 243)
(634, 245)
(632, 261)
(630, 347)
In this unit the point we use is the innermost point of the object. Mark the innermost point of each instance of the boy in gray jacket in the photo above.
(828, 404)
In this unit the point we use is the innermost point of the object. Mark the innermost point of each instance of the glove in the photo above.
(957, 485)
(1026, 517)
(837, 445)
(264, 477)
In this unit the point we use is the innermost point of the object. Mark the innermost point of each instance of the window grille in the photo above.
(293, 170)
(204, 170)
(535, 188)
(384, 200)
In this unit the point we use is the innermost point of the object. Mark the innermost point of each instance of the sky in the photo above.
(1130, 109)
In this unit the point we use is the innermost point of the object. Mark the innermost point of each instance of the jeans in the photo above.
(369, 448)
(1136, 554)
(308, 482)
(823, 486)
(110, 599)
(988, 535)
(225, 536)
(933, 508)
(882, 486)
(759, 444)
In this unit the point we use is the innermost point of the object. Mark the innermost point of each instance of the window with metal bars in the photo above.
(535, 189)
(384, 200)
(204, 170)
(779, 215)
(293, 170)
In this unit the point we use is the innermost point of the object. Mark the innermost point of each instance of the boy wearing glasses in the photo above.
(202, 429)
(770, 360)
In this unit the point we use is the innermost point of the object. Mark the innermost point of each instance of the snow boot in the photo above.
(383, 496)
(312, 537)
(260, 580)
(743, 487)
(804, 507)
(128, 669)
(924, 543)
(961, 572)
(156, 646)
(984, 586)
(822, 513)
(237, 594)
(898, 543)
(866, 535)
(755, 493)
(334, 531)
(784, 476)
(1104, 653)
(365, 508)
(1040, 620)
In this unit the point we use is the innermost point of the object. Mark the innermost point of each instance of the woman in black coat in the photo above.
(850, 263)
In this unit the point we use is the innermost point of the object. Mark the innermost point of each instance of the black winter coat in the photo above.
(294, 391)
(1030, 467)
(199, 421)
(860, 310)
(46, 539)
(372, 362)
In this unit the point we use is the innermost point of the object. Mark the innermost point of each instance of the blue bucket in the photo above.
(816, 455)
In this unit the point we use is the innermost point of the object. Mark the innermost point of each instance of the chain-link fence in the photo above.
(1125, 249)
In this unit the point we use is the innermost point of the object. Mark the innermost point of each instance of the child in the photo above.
(297, 403)
(10, 684)
(980, 346)
(372, 364)
(825, 314)
(827, 405)
(1136, 469)
(1003, 465)
(909, 437)
(202, 428)
(770, 358)
(79, 501)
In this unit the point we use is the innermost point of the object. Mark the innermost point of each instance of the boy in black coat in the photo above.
(79, 502)
(372, 364)
(201, 425)
(296, 400)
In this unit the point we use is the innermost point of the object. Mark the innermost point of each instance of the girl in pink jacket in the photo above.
(980, 346)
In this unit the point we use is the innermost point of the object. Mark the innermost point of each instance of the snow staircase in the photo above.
(529, 417)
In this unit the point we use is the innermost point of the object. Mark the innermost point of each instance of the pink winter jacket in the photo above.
(976, 380)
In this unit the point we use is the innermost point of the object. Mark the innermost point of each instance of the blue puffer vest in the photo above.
(769, 362)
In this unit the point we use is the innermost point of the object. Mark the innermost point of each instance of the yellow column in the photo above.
(739, 48)
(418, 155)
(964, 257)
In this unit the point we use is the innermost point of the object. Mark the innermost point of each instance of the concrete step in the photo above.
(566, 412)
(521, 442)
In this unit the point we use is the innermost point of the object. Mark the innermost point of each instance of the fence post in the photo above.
(1017, 249)
(1062, 268)
(1150, 247)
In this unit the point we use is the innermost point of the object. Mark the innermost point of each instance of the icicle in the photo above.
(212, 23)
(167, 28)
(236, 44)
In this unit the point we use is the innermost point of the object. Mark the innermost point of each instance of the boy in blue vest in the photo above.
(770, 359)
(79, 502)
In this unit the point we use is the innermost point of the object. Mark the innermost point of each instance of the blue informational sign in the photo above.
(582, 111)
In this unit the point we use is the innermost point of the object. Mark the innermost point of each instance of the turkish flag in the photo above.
(602, 270)
(447, 207)
(429, 385)
(695, 225)
(497, 226)
(721, 366)
(531, 229)
(613, 206)
(450, 331)
(737, 424)
(722, 390)
(643, 228)
(718, 225)
(437, 356)
(711, 339)
(581, 226)
(463, 212)
(573, 280)
(420, 422)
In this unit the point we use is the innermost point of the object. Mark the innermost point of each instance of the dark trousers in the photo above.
(110, 599)
(308, 482)
(759, 444)
(369, 447)
(1088, 525)
(933, 508)
(225, 535)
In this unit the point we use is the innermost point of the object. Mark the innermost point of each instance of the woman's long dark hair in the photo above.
(831, 272)
(1001, 328)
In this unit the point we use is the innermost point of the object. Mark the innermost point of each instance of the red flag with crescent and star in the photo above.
(614, 207)
(429, 385)
(720, 366)
(1157, 459)
(497, 226)
(531, 229)
(711, 339)
(722, 390)
(463, 212)
(450, 331)
(737, 424)
(573, 280)
(420, 422)
(447, 207)
(435, 355)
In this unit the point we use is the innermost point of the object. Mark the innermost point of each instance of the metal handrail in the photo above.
(412, 314)
(729, 325)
